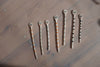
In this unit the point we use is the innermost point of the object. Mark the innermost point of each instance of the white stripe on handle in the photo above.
(74, 13)
(33, 43)
(57, 33)
(64, 26)
(40, 30)
(80, 27)
(48, 35)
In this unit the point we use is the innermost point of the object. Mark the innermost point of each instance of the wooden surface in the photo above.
(15, 43)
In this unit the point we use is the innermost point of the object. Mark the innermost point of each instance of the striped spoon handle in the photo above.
(64, 26)
(32, 38)
(74, 13)
(40, 30)
(57, 33)
(48, 34)
(80, 27)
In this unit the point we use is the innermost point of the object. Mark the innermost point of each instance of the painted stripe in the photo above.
(40, 30)
(32, 36)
